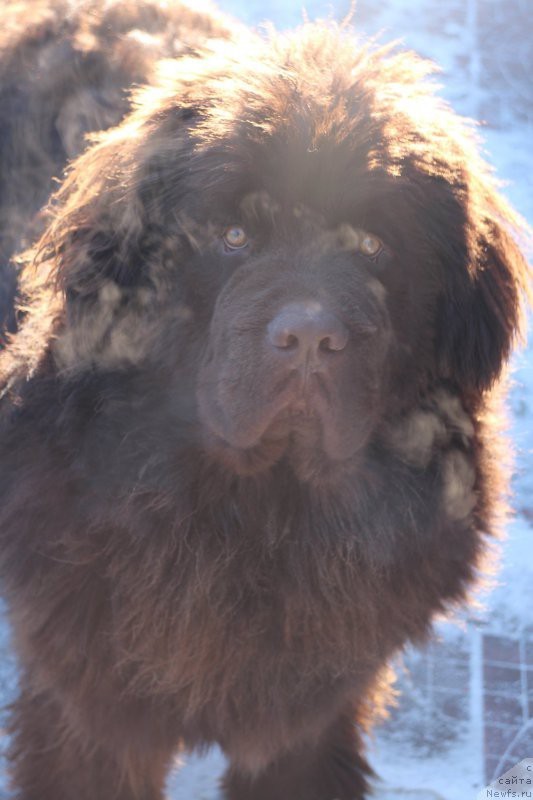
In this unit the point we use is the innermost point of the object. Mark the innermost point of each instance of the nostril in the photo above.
(333, 342)
(307, 327)
(280, 335)
(291, 342)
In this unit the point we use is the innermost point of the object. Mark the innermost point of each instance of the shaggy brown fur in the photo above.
(65, 71)
(246, 441)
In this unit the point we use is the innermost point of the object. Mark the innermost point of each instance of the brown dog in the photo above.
(246, 436)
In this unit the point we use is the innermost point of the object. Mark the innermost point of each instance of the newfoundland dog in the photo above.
(248, 431)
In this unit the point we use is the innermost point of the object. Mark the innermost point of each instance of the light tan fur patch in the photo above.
(458, 479)
(417, 438)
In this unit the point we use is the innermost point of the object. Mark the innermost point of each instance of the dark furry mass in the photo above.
(248, 434)
(65, 70)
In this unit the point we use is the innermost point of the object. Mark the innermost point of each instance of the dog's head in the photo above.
(297, 239)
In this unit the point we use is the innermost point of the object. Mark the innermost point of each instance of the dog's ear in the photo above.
(481, 308)
(472, 243)
(95, 222)
(112, 197)
(103, 240)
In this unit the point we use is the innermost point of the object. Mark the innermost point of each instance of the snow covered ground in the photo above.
(486, 52)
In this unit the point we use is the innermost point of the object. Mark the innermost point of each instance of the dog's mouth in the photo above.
(302, 423)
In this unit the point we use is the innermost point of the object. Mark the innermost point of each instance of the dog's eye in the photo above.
(370, 245)
(235, 237)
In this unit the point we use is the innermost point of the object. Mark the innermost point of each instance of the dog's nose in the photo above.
(305, 328)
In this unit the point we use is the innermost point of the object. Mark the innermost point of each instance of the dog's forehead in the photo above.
(260, 205)
(298, 170)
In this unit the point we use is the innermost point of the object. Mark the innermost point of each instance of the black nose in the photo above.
(307, 327)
